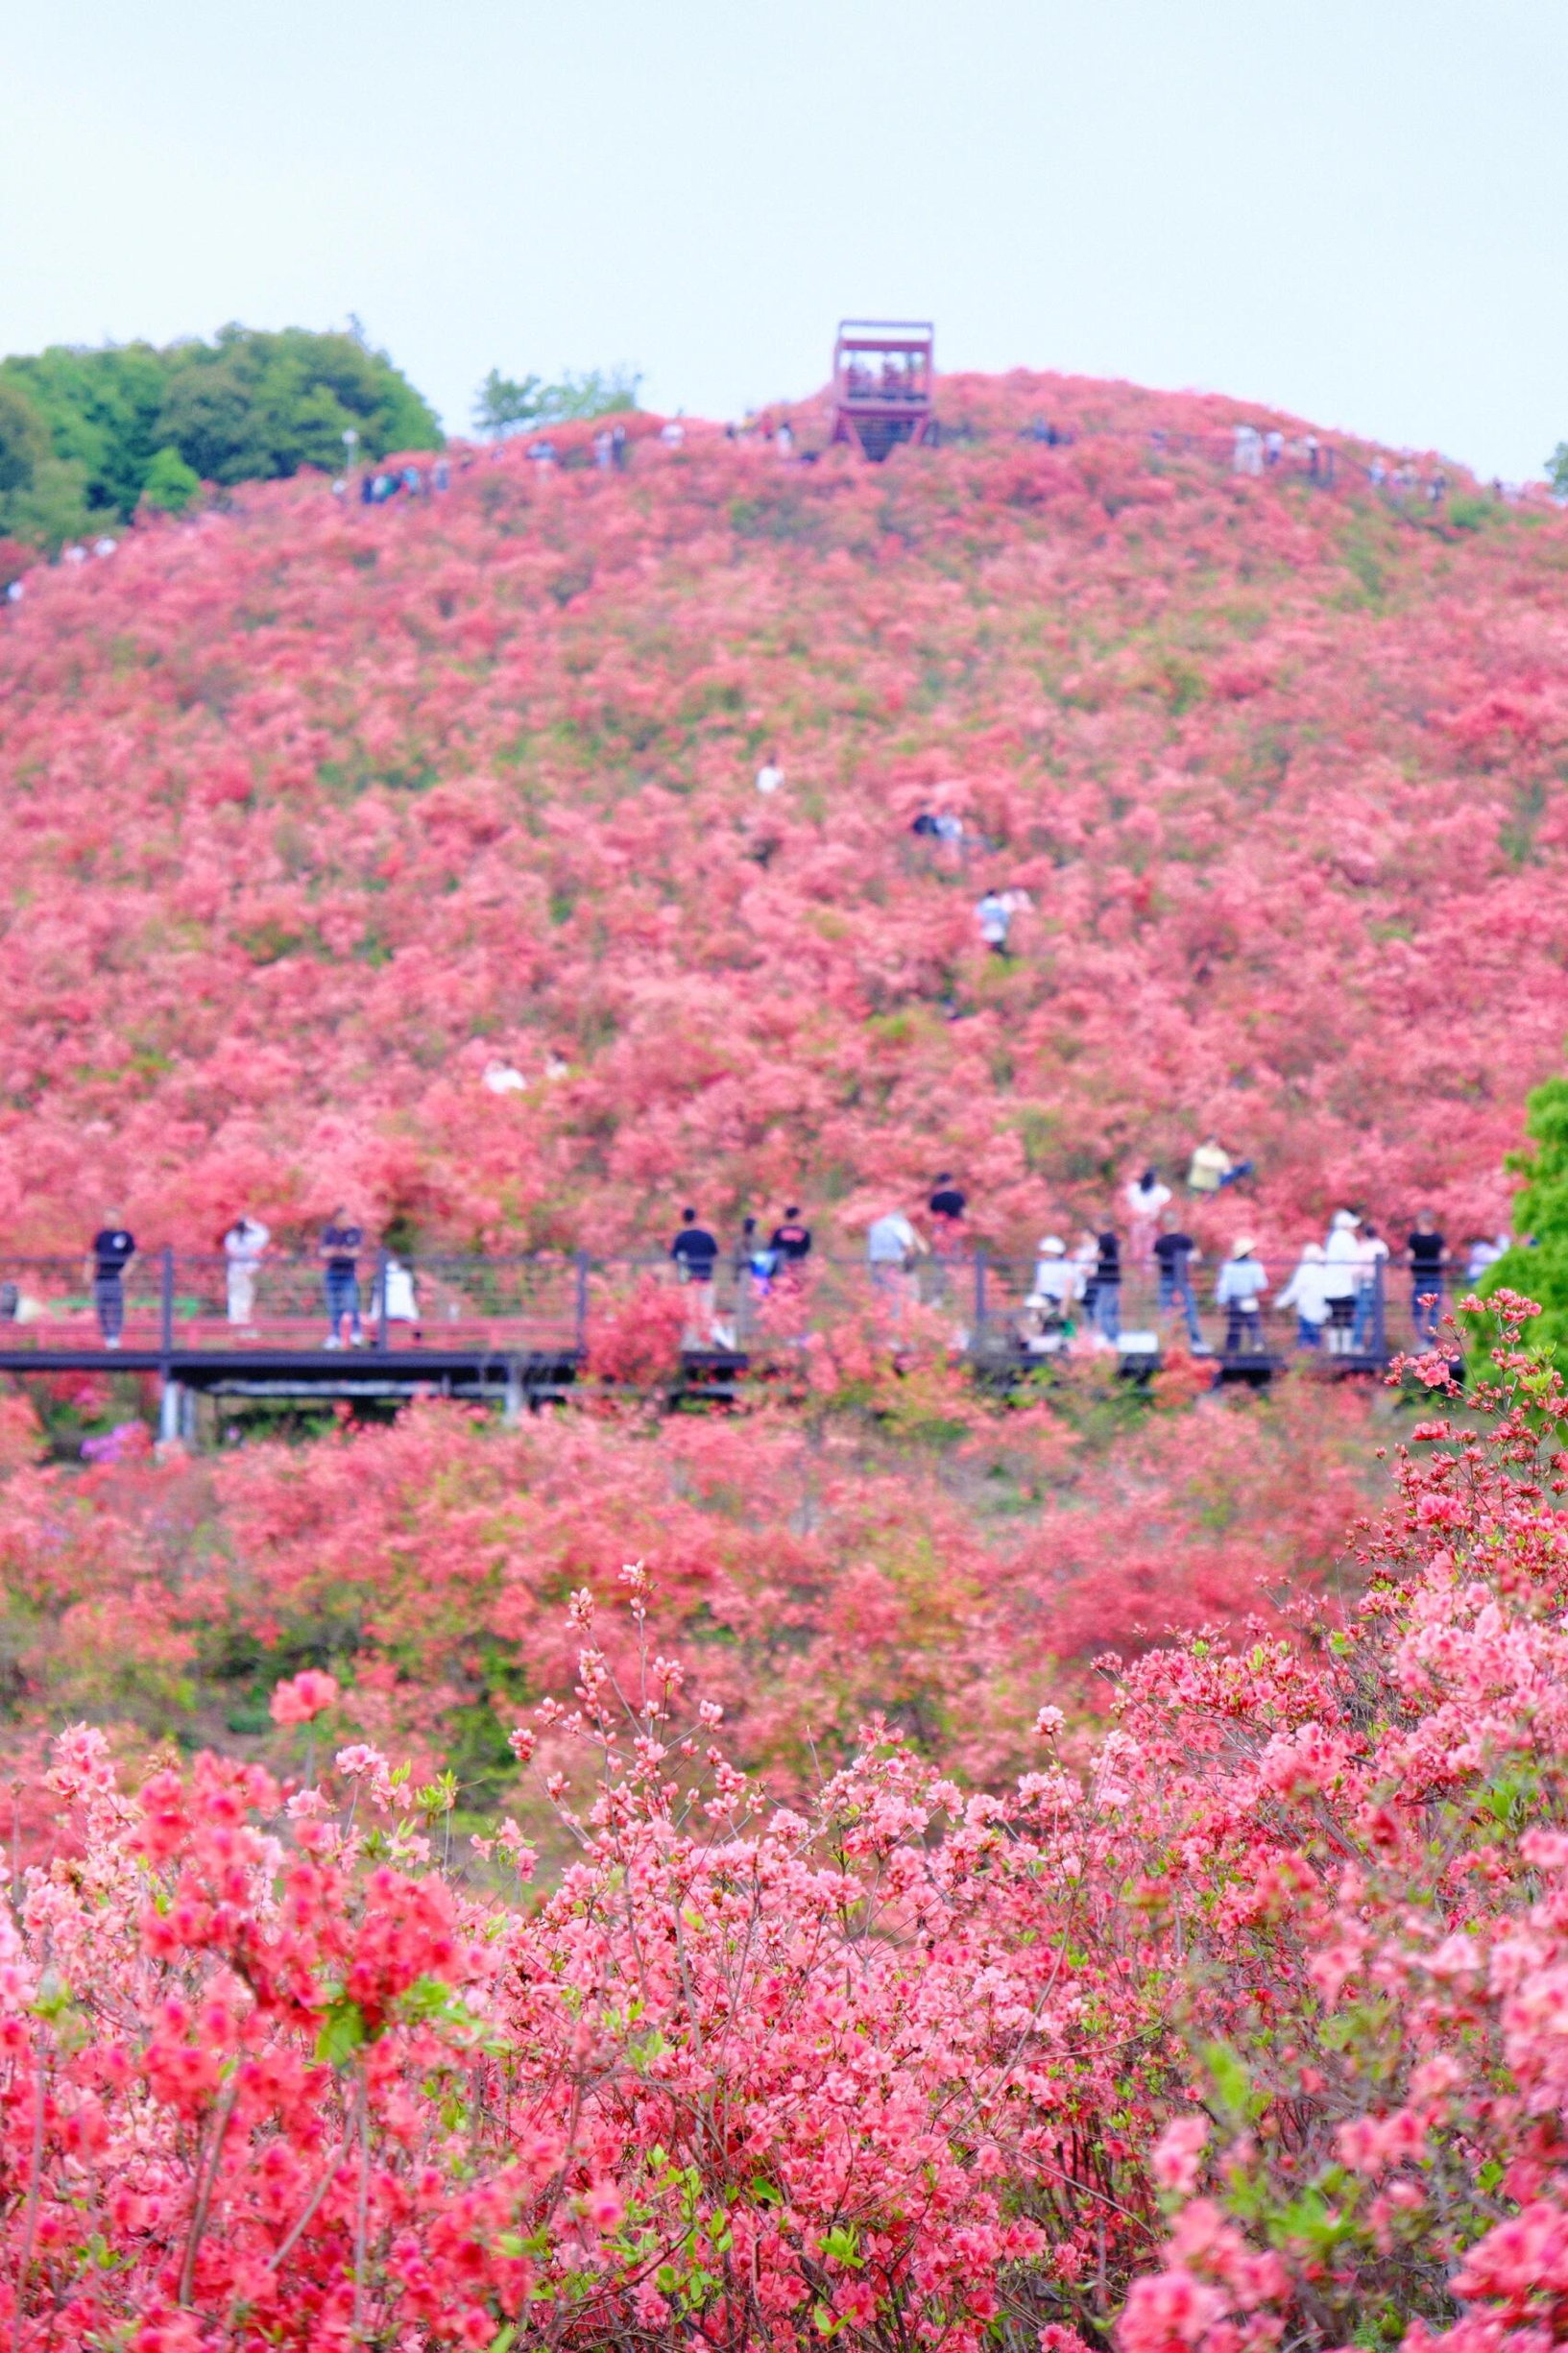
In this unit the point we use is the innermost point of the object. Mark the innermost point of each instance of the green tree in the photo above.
(256, 405)
(170, 485)
(504, 405)
(24, 440)
(100, 408)
(1540, 1210)
(1556, 469)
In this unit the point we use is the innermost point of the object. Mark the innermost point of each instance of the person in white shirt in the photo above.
(995, 917)
(892, 1246)
(1341, 1279)
(504, 1078)
(242, 1247)
(1057, 1278)
(769, 776)
(1370, 1252)
(1241, 1285)
(1145, 1197)
(1305, 1292)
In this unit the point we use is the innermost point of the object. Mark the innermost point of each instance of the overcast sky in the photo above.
(1352, 209)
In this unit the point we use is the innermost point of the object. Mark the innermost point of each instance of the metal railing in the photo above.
(974, 1302)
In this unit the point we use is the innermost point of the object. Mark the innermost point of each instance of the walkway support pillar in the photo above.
(512, 1407)
(170, 1409)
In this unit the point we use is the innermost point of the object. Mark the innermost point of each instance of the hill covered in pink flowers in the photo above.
(311, 812)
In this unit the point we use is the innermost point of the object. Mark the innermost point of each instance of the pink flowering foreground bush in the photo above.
(1238, 2025)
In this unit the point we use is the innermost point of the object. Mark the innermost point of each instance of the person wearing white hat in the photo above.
(1240, 1286)
(1055, 1276)
(1342, 1279)
(1305, 1293)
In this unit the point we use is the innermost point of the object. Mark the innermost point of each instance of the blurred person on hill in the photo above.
(695, 1254)
(769, 776)
(1108, 1286)
(1484, 1253)
(790, 1242)
(113, 1247)
(617, 442)
(1426, 1255)
(1305, 1292)
(242, 1247)
(1371, 1254)
(1212, 1169)
(1342, 1279)
(1145, 1197)
(947, 1206)
(342, 1240)
(995, 917)
(395, 1298)
(1175, 1254)
(1238, 1290)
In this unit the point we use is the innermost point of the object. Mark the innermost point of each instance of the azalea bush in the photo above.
(896, 1544)
(1232, 2022)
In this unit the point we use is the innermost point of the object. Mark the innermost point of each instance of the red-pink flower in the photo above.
(304, 1696)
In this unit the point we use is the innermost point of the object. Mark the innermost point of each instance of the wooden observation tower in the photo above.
(885, 383)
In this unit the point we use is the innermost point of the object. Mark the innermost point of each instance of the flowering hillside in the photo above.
(312, 811)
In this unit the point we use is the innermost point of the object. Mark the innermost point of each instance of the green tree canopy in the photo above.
(1540, 1270)
(82, 430)
(170, 485)
(506, 404)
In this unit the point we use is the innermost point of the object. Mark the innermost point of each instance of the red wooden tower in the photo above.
(883, 383)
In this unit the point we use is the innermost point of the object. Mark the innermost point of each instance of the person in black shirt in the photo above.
(1174, 1256)
(1428, 1255)
(947, 1201)
(695, 1254)
(112, 1251)
(338, 1250)
(791, 1242)
(694, 1250)
(1108, 1287)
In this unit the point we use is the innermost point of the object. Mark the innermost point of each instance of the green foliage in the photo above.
(255, 405)
(506, 404)
(86, 435)
(1556, 468)
(170, 485)
(1541, 1211)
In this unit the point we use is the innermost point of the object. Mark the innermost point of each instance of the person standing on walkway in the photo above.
(1108, 1287)
(790, 1244)
(242, 1248)
(1341, 1279)
(113, 1247)
(338, 1250)
(1175, 1255)
(1372, 1256)
(1427, 1255)
(1240, 1289)
(1305, 1293)
(695, 1253)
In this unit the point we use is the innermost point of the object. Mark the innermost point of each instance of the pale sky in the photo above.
(1353, 209)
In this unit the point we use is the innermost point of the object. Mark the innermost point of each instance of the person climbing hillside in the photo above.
(994, 915)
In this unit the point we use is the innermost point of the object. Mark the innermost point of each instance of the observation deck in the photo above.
(884, 384)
